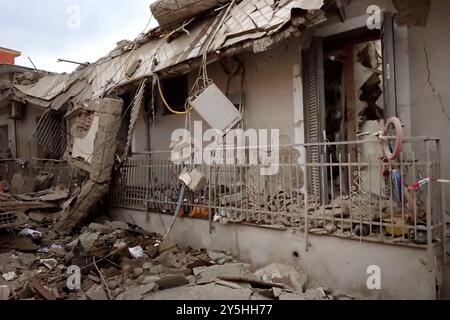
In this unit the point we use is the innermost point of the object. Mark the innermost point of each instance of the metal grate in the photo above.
(50, 135)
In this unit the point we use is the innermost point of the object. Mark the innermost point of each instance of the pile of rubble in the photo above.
(119, 262)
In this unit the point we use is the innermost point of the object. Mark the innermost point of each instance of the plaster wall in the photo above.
(338, 264)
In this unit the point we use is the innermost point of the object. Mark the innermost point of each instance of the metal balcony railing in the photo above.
(350, 192)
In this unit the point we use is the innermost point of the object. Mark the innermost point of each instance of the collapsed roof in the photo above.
(250, 26)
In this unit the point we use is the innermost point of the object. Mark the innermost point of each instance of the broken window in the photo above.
(176, 92)
(344, 92)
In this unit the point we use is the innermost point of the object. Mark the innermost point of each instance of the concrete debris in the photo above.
(130, 273)
(209, 274)
(49, 263)
(57, 250)
(151, 251)
(166, 245)
(88, 239)
(137, 272)
(283, 274)
(137, 293)
(10, 276)
(220, 257)
(30, 233)
(210, 291)
(101, 228)
(118, 225)
(38, 217)
(172, 282)
(137, 252)
(150, 279)
(97, 293)
(5, 291)
(169, 12)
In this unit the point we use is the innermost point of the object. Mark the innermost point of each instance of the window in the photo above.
(176, 93)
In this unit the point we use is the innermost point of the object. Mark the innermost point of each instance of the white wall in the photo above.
(337, 264)
(269, 101)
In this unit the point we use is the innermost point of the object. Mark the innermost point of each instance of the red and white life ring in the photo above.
(392, 154)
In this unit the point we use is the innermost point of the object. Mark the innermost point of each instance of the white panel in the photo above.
(216, 109)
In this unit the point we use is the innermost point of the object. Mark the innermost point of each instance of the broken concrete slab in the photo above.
(209, 274)
(172, 281)
(90, 147)
(169, 12)
(150, 279)
(57, 250)
(137, 293)
(38, 217)
(118, 225)
(91, 193)
(210, 291)
(220, 257)
(283, 274)
(88, 239)
(97, 293)
(166, 245)
(101, 228)
(137, 272)
(55, 196)
(49, 263)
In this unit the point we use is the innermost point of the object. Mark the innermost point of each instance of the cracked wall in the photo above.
(429, 49)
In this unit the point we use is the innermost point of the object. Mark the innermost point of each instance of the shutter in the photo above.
(50, 136)
(314, 111)
(389, 85)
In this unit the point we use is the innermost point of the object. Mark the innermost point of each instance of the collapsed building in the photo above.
(326, 74)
